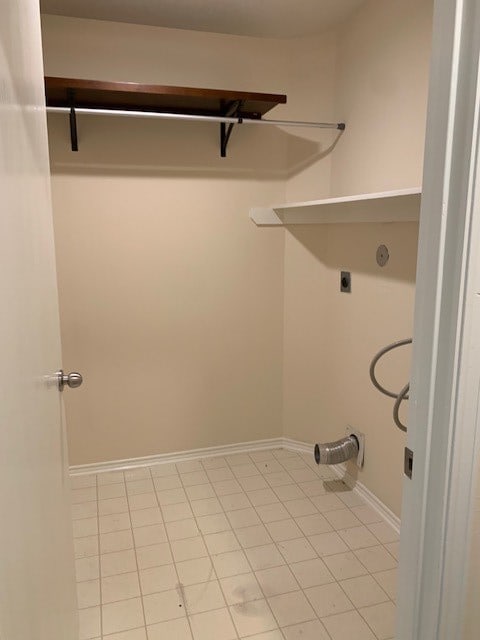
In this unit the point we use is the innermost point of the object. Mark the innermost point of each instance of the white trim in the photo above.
(358, 487)
(177, 456)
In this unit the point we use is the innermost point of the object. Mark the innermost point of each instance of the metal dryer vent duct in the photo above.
(338, 451)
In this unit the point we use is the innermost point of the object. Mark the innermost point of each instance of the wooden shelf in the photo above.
(134, 96)
(389, 206)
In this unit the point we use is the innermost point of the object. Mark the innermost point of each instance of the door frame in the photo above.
(444, 423)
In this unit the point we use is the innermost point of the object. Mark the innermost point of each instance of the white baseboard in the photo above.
(242, 447)
(178, 456)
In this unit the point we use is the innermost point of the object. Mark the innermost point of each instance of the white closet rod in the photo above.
(196, 118)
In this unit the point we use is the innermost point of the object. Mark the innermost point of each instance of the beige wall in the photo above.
(214, 330)
(380, 89)
(171, 300)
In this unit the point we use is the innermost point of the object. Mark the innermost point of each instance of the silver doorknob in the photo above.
(73, 379)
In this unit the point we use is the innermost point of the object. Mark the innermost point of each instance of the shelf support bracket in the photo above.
(73, 120)
(226, 131)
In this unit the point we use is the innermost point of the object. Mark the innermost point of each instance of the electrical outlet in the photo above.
(345, 282)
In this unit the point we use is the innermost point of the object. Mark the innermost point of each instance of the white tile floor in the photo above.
(265, 546)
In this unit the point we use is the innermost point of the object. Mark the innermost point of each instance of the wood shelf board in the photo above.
(390, 206)
(147, 97)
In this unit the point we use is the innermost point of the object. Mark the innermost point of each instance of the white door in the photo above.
(437, 549)
(37, 587)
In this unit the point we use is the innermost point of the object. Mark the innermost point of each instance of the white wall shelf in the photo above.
(389, 206)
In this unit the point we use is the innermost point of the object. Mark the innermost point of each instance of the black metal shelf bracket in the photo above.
(232, 111)
(73, 120)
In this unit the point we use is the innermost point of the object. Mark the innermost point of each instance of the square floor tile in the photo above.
(363, 591)
(252, 618)
(158, 579)
(393, 548)
(146, 517)
(358, 537)
(206, 507)
(87, 494)
(291, 608)
(384, 532)
(117, 490)
(165, 469)
(167, 482)
(264, 557)
(188, 549)
(82, 482)
(213, 624)
(142, 501)
(296, 550)
(89, 623)
(243, 518)
(289, 492)
(313, 524)
(269, 466)
(366, 514)
(218, 475)
(376, 559)
(326, 544)
(110, 477)
(230, 564)
(136, 487)
(166, 605)
(253, 483)
(347, 625)
(245, 470)
(350, 498)
(253, 536)
(344, 566)
(259, 456)
(300, 507)
(146, 536)
(213, 524)
(87, 568)
(85, 527)
(262, 496)
(120, 587)
(154, 556)
(312, 630)
(388, 581)
(88, 594)
(112, 505)
(115, 522)
(342, 519)
(273, 512)
(311, 573)
(283, 530)
(203, 597)
(328, 599)
(123, 615)
(227, 487)
(84, 510)
(237, 459)
(327, 502)
(276, 581)
(302, 475)
(215, 462)
(193, 478)
(200, 492)
(278, 479)
(85, 547)
(181, 529)
(118, 562)
(381, 619)
(221, 542)
(116, 541)
(179, 511)
(241, 588)
(194, 571)
(178, 629)
(313, 488)
(171, 496)
(235, 501)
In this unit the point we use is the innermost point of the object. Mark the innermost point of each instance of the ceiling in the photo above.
(262, 18)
